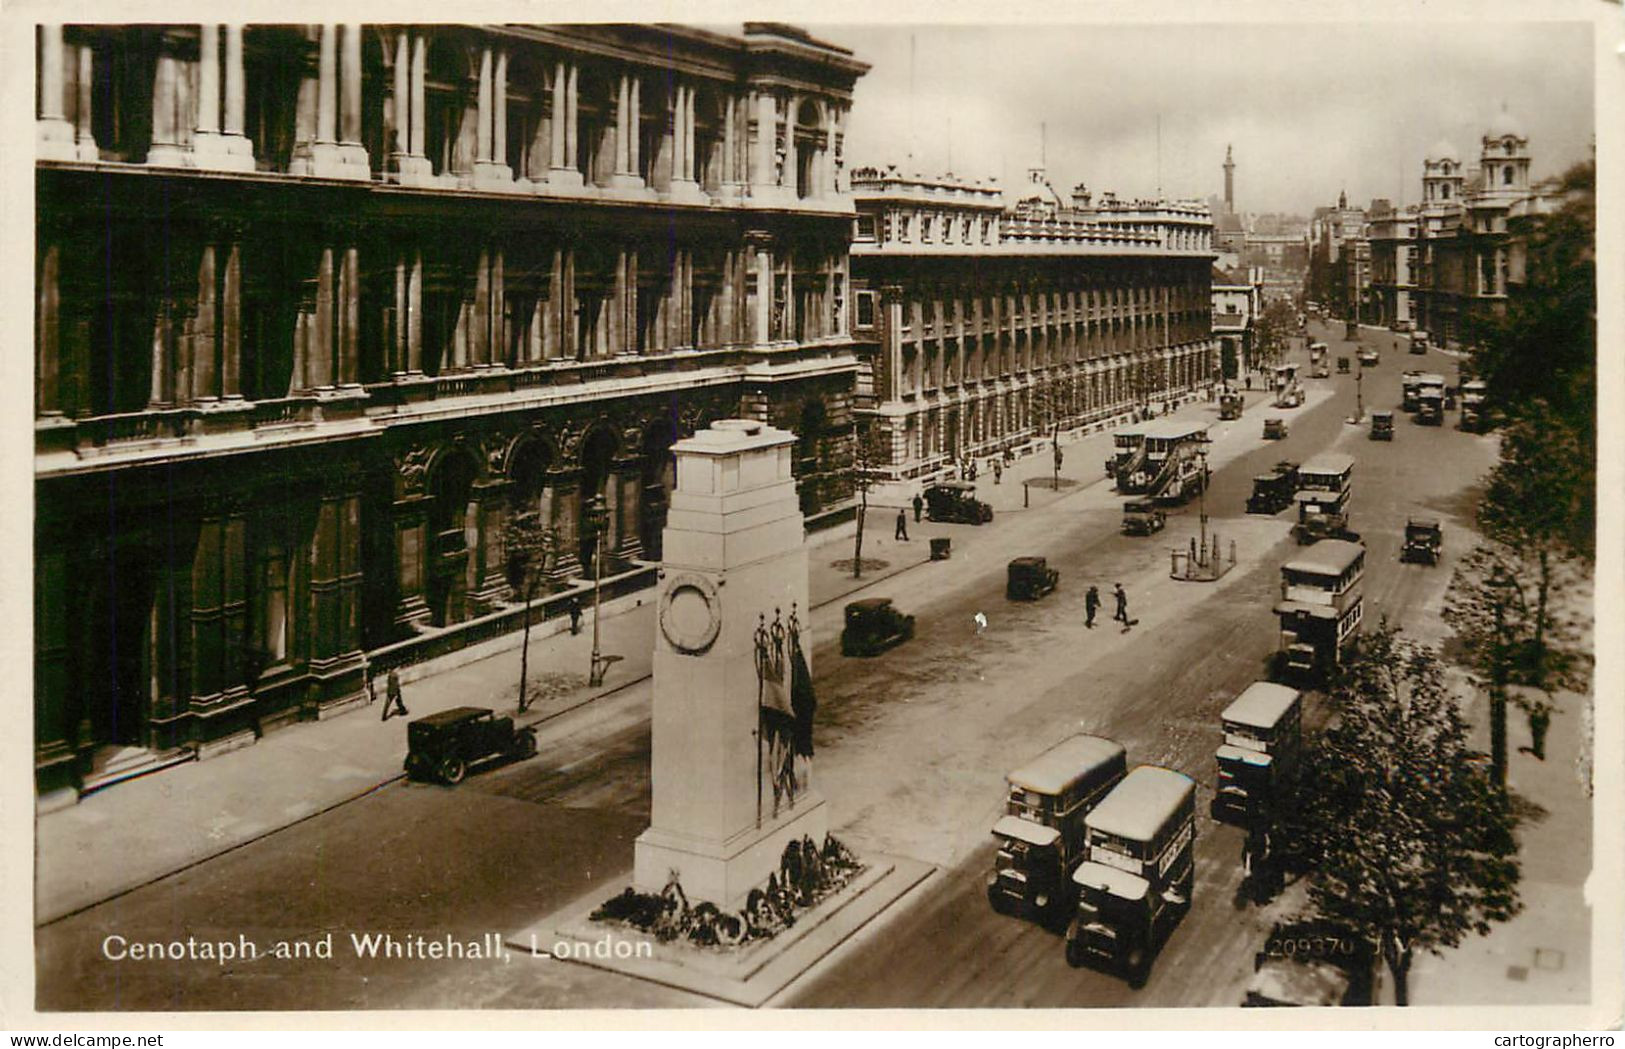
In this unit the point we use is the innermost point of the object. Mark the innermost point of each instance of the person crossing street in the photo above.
(902, 527)
(1091, 605)
(1121, 615)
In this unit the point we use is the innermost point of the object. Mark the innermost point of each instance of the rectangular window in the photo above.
(864, 228)
(866, 309)
(273, 580)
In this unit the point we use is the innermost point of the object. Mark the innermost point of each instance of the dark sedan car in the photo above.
(872, 626)
(445, 744)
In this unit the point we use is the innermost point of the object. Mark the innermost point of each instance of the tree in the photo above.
(533, 553)
(868, 454)
(1413, 845)
(1274, 330)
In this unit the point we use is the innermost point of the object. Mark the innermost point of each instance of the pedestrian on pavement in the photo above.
(902, 526)
(919, 504)
(1121, 615)
(998, 471)
(575, 614)
(1091, 605)
(393, 703)
(366, 672)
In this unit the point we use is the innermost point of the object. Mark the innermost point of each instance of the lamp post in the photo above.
(1359, 393)
(597, 520)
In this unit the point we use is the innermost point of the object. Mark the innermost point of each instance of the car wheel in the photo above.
(452, 771)
(997, 901)
(526, 745)
(1137, 966)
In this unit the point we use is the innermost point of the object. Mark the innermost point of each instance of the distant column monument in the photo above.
(732, 721)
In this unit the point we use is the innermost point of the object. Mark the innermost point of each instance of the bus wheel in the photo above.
(1075, 955)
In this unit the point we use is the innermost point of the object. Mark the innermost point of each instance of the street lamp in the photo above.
(598, 521)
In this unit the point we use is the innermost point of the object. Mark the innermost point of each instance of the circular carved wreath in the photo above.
(690, 614)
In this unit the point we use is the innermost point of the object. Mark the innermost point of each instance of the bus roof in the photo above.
(1137, 807)
(1067, 762)
(1026, 830)
(1328, 464)
(1432, 378)
(1260, 704)
(1328, 557)
(1173, 429)
(1134, 430)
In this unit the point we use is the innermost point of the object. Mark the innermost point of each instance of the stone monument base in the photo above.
(724, 873)
(750, 974)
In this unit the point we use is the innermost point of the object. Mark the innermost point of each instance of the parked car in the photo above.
(1274, 429)
(1029, 578)
(872, 626)
(1423, 539)
(1369, 358)
(1142, 517)
(443, 745)
(955, 502)
(1382, 426)
(1401, 326)
(1315, 962)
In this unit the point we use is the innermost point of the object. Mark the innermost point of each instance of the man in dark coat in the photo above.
(902, 527)
(1091, 605)
(1121, 615)
(393, 703)
(919, 504)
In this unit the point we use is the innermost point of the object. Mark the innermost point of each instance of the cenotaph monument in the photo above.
(732, 718)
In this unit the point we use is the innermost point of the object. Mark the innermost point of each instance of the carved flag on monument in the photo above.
(786, 706)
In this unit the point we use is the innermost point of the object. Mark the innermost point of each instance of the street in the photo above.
(912, 749)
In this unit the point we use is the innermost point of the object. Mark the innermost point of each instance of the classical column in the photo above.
(625, 486)
(761, 244)
(490, 167)
(166, 149)
(47, 343)
(562, 172)
(208, 84)
(763, 177)
(683, 184)
(561, 508)
(349, 306)
(730, 148)
(351, 150)
(625, 175)
(401, 112)
(327, 87)
(53, 134)
(419, 141)
(414, 306)
(634, 124)
(204, 336)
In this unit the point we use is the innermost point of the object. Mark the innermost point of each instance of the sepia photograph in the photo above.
(816, 510)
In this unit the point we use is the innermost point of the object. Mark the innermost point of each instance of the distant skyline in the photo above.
(1311, 110)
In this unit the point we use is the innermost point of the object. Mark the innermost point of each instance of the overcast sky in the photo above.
(1311, 109)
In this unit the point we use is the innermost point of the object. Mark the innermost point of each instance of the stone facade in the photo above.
(320, 307)
(991, 326)
(1456, 255)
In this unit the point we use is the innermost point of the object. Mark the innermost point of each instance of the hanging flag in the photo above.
(802, 699)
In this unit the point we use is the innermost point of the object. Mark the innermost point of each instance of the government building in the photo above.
(1456, 255)
(321, 308)
(992, 324)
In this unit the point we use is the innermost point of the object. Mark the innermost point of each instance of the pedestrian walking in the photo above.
(372, 692)
(919, 504)
(575, 614)
(981, 622)
(393, 703)
(902, 526)
(998, 471)
(1091, 605)
(1121, 615)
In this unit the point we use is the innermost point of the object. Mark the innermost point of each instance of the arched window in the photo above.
(809, 144)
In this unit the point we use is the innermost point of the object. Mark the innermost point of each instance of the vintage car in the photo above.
(1142, 517)
(1314, 962)
(1401, 326)
(1041, 834)
(1423, 538)
(1369, 357)
(1474, 394)
(445, 744)
(1419, 342)
(1029, 578)
(1342, 365)
(1139, 872)
(1274, 429)
(1382, 426)
(955, 502)
(1230, 406)
(1273, 492)
(872, 626)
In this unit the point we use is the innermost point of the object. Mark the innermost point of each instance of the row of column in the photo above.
(63, 129)
(337, 150)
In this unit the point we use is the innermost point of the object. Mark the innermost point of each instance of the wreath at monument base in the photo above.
(806, 875)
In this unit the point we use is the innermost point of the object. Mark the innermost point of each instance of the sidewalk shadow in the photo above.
(1525, 810)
